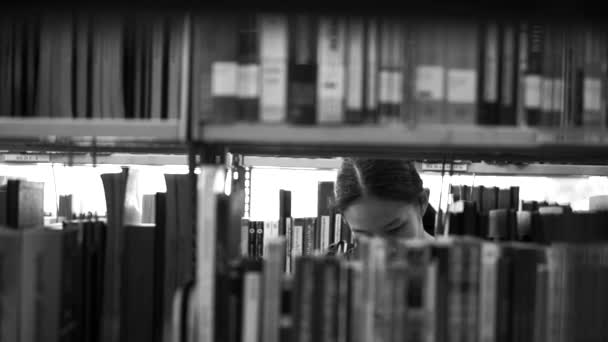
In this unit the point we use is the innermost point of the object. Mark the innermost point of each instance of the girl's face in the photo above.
(370, 215)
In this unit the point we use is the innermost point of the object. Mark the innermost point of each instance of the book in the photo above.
(23, 204)
(330, 73)
(355, 56)
(429, 90)
(302, 69)
(271, 306)
(461, 73)
(138, 267)
(273, 59)
(248, 68)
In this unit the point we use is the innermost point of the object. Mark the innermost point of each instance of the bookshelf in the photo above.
(431, 141)
(462, 167)
(85, 158)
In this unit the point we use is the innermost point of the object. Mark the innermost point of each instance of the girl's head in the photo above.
(381, 197)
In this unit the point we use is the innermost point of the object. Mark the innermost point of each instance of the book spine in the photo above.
(370, 75)
(303, 300)
(487, 293)
(308, 238)
(592, 81)
(302, 71)
(259, 239)
(252, 283)
(288, 245)
(297, 243)
(328, 303)
(273, 56)
(338, 228)
(429, 91)
(533, 79)
(461, 73)
(384, 70)
(354, 74)
(272, 273)
(251, 239)
(206, 241)
(508, 94)
(248, 91)
(489, 69)
(330, 77)
(245, 237)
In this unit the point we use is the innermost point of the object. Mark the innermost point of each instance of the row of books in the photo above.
(301, 69)
(94, 65)
(306, 69)
(448, 289)
(110, 279)
(304, 236)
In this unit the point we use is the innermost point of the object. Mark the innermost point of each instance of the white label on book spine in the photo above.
(592, 93)
(354, 92)
(331, 93)
(558, 94)
(274, 84)
(462, 86)
(532, 91)
(491, 65)
(224, 77)
(429, 82)
(547, 94)
(249, 81)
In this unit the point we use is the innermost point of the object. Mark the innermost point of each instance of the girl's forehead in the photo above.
(371, 211)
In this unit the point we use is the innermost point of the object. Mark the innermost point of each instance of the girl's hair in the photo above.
(383, 178)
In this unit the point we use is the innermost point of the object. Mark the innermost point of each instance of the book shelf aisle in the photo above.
(194, 268)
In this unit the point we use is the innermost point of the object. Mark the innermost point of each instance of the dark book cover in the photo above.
(302, 69)
(138, 269)
(163, 290)
(259, 239)
(251, 239)
(25, 204)
(504, 199)
(327, 316)
(248, 68)
(488, 86)
(325, 198)
(214, 69)
(508, 73)
(489, 198)
(6, 66)
(304, 299)
(186, 228)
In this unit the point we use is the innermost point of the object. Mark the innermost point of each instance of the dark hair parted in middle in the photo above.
(383, 178)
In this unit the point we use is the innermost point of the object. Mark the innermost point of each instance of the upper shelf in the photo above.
(103, 134)
(430, 141)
